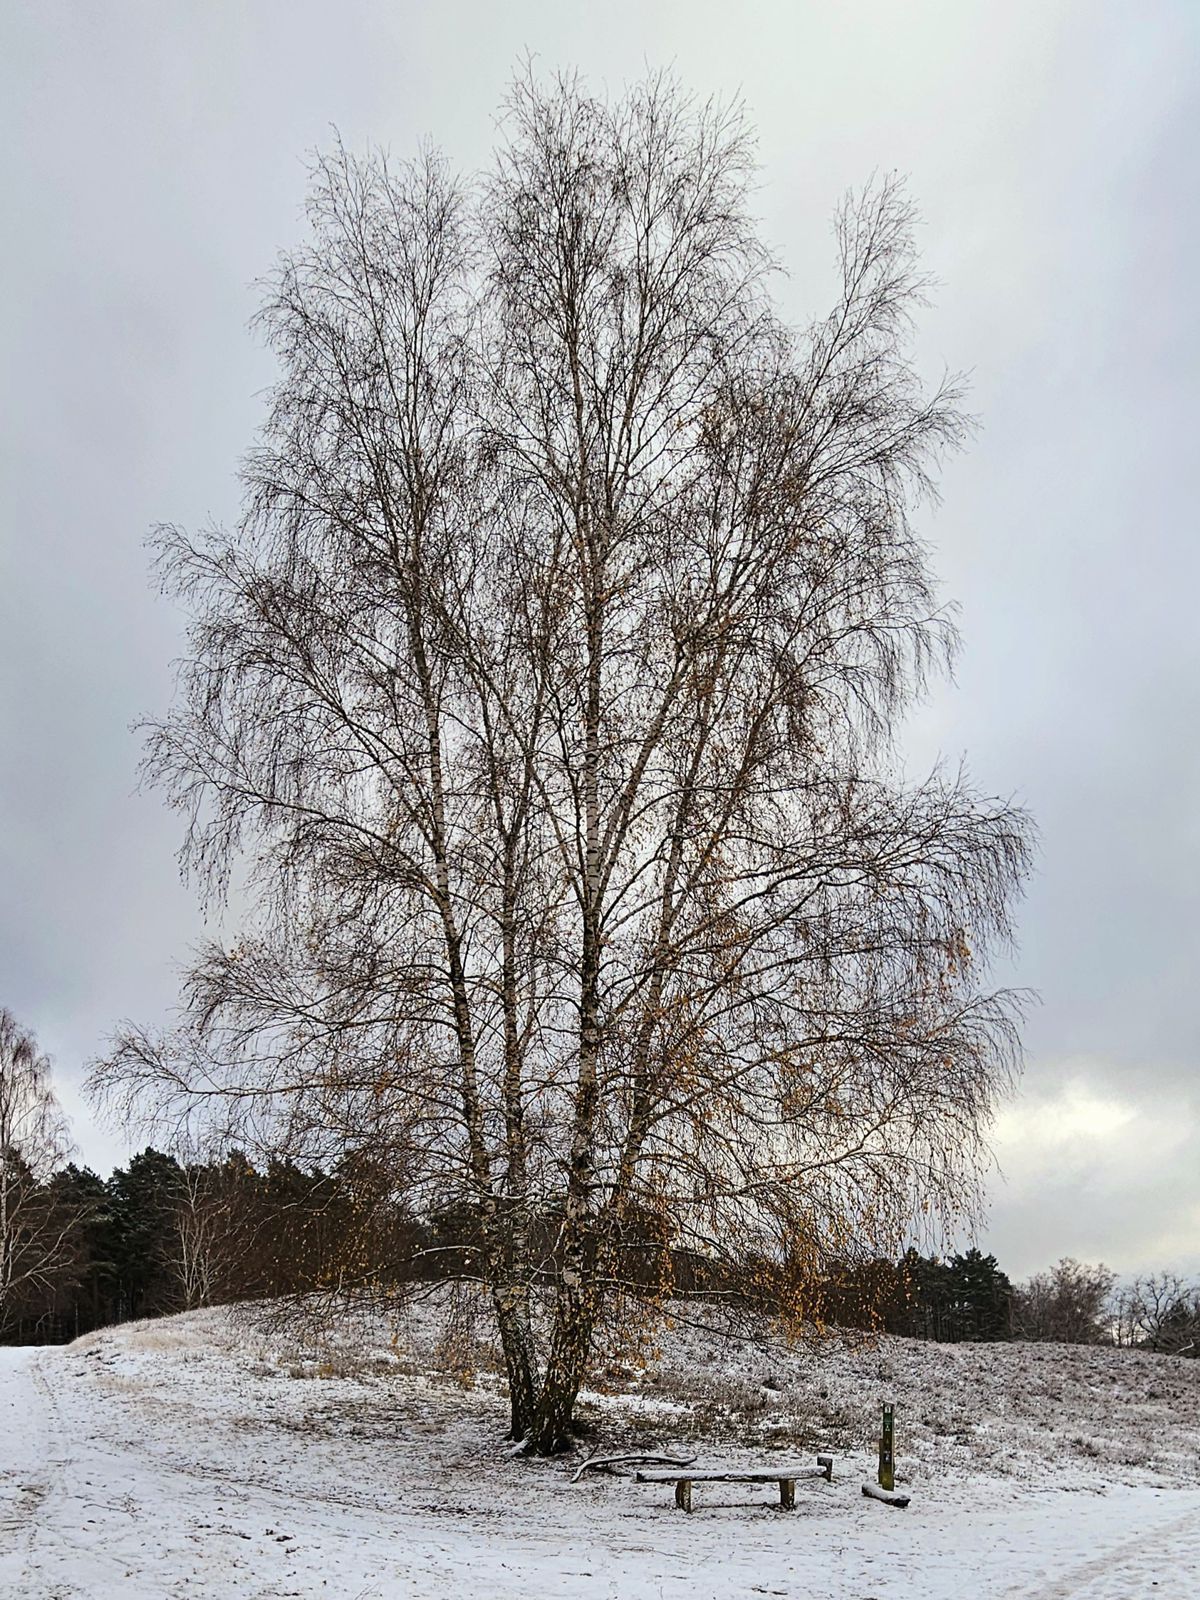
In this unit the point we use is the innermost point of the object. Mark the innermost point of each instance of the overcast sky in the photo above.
(154, 163)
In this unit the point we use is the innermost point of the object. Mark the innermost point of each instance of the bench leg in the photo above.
(787, 1494)
(683, 1494)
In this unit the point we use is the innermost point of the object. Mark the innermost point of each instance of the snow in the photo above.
(205, 1456)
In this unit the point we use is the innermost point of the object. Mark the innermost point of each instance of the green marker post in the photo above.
(887, 1457)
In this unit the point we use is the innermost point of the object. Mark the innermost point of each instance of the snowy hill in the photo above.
(207, 1455)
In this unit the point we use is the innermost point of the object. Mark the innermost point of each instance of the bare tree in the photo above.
(35, 1229)
(1071, 1304)
(202, 1233)
(1160, 1311)
(547, 690)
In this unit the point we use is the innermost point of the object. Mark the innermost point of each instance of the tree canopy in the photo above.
(547, 691)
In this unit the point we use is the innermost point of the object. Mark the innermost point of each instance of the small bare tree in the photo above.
(1070, 1304)
(202, 1231)
(35, 1229)
(548, 688)
(1160, 1311)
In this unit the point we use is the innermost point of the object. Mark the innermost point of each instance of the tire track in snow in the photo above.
(43, 1463)
(28, 1472)
(1137, 1569)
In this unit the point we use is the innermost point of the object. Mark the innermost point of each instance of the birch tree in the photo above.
(547, 693)
(35, 1230)
(200, 1234)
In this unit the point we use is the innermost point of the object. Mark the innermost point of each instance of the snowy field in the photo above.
(203, 1456)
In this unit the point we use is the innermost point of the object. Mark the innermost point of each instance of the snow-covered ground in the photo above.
(200, 1456)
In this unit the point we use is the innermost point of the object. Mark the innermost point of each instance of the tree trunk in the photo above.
(575, 1314)
(511, 1304)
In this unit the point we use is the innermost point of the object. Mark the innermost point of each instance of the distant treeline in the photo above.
(161, 1236)
(968, 1298)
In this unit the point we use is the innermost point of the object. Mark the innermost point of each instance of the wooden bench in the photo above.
(784, 1476)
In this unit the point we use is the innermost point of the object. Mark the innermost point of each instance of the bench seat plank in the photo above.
(770, 1475)
(785, 1475)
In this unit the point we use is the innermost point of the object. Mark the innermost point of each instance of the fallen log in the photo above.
(608, 1463)
(890, 1497)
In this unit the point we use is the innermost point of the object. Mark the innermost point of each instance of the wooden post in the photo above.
(683, 1494)
(787, 1494)
(887, 1455)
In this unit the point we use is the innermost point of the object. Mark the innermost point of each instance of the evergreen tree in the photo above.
(979, 1296)
(142, 1198)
